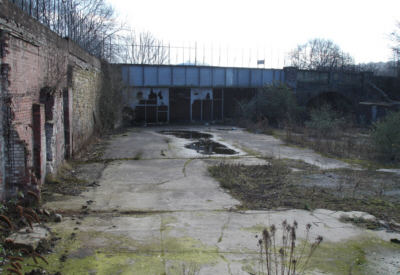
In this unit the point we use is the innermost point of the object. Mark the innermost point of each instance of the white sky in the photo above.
(269, 28)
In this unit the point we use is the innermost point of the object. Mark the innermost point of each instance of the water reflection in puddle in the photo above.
(204, 145)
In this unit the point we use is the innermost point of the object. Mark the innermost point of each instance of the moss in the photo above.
(248, 151)
(349, 257)
(258, 228)
(105, 253)
(369, 164)
(166, 221)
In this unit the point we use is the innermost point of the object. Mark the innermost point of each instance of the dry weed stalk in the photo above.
(290, 261)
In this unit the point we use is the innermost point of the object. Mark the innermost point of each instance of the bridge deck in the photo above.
(168, 76)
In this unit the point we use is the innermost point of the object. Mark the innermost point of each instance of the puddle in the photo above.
(204, 145)
(186, 134)
(209, 147)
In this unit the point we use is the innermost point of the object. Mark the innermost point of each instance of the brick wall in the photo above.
(40, 100)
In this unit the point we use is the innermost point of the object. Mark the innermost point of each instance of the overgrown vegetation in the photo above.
(324, 129)
(386, 137)
(329, 133)
(351, 145)
(275, 104)
(275, 185)
(14, 215)
(283, 256)
(324, 121)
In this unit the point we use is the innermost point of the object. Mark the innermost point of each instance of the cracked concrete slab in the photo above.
(164, 214)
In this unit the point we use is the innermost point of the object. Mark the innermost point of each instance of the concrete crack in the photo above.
(162, 228)
(184, 167)
(223, 228)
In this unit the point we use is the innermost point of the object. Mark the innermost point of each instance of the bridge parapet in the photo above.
(172, 76)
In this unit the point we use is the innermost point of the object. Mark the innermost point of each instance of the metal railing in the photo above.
(64, 18)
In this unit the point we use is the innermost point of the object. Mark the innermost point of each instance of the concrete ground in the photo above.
(157, 211)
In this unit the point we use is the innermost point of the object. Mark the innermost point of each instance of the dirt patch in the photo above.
(190, 135)
(277, 186)
(72, 179)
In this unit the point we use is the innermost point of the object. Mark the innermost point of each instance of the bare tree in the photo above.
(142, 48)
(94, 25)
(90, 23)
(320, 54)
(395, 36)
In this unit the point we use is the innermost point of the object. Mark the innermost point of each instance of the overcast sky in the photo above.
(267, 28)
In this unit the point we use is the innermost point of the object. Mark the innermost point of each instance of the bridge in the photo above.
(170, 93)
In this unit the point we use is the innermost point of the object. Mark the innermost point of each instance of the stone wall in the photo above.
(50, 88)
(2, 95)
(86, 85)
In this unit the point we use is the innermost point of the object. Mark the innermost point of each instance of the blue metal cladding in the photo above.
(151, 76)
(192, 77)
(256, 78)
(136, 76)
(230, 77)
(243, 78)
(178, 76)
(268, 77)
(165, 76)
(205, 77)
(218, 77)
(199, 76)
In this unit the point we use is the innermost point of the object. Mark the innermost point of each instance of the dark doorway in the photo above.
(179, 102)
(218, 104)
(67, 133)
(37, 140)
(231, 97)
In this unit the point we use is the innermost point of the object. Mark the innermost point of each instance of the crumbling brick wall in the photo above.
(37, 94)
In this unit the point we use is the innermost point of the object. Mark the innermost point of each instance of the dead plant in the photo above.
(288, 259)
(14, 215)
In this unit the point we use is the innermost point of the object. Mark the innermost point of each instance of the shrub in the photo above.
(386, 136)
(277, 104)
(325, 121)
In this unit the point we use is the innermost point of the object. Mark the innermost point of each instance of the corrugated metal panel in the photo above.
(230, 77)
(151, 76)
(164, 76)
(136, 76)
(192, 77)
(205, 77)
(178, 76)
(267, 77)
(218, 77)
(243, 78)
(256, 78)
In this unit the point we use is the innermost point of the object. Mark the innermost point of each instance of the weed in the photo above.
(324, 121)
(365, 223)
(16, 214)
(271, 106)
(138, 155)
(287, 258)
(275, 186)
(351, 147)
(386, 137)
